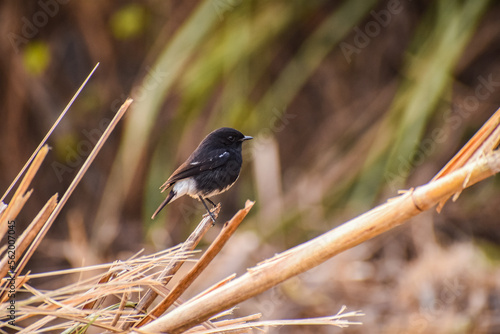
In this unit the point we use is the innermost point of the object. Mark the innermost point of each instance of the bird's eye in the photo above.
(230, 138)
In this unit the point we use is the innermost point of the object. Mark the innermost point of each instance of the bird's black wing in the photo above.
(215, 159)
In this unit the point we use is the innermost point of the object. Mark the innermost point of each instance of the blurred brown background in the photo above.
(347, 101)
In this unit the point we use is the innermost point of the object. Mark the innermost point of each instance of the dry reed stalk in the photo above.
(69, 302)
(228, 322)
(44, 140)
(32, 237)
(483, 142)
(111, 274)
(19, 284)
(310, 254)
(190, 244)
(38, 239)
(215, 286)
(338, 320)
(214, 249)
(21, 195)
(162, 291)
(9, 214)
(29, 234)
(121, 308)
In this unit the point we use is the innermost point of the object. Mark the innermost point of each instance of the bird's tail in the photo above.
(165, 202)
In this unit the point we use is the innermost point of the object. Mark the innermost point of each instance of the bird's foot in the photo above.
(211, 212)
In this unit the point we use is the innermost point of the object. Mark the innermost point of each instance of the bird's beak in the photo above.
(246, 138)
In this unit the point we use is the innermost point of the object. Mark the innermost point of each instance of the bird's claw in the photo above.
(209, 213)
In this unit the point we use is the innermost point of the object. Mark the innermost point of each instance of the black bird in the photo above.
(210, 170)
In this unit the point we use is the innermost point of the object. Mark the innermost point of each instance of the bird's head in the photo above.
(227, 137)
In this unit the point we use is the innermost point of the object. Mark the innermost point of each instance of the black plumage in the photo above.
(210, 170)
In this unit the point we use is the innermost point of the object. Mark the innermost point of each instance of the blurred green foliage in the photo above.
(36, 57)
(428, 77)
(129, 21)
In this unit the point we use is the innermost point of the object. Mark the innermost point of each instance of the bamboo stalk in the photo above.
(316, 251)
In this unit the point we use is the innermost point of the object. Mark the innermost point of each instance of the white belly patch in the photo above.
(184, 187)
